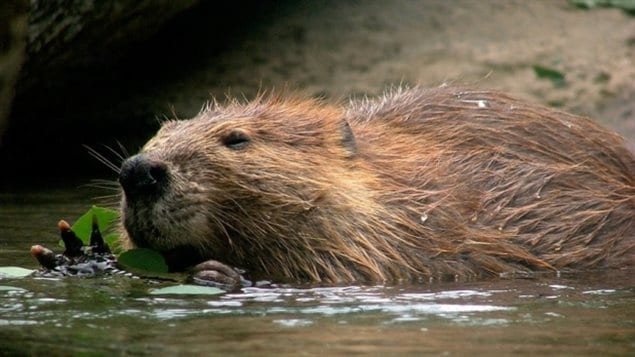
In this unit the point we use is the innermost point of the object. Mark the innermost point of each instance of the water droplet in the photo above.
(566, 123)
(481, 103)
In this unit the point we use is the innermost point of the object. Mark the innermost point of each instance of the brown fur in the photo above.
(436, 183)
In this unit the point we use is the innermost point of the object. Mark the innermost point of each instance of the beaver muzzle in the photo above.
(143, 178)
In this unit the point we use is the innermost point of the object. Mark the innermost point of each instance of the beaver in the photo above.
(420, 183)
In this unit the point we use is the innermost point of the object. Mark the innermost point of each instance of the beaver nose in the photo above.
(141, 176)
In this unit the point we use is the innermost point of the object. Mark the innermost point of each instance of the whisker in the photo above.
(108, 185)
(117, 154)
(101, 158)
(113, 195)
(124, 151)
(106, 188)
(112, 200)
(105, 182)
(112, 204)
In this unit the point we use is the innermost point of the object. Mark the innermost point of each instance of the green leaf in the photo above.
(556, 77)
(113, 242)
(83, 225)
(106, 219)
(11, 288)
(144, 260)
(14, 272)
(186, 289)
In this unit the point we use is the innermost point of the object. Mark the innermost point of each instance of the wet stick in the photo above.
(72, 244)
(96, 240)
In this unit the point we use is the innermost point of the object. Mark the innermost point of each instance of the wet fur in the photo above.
(421, 183)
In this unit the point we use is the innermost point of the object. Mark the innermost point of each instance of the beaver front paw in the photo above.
(216, 274)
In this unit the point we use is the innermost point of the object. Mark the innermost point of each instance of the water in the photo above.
(583, 314)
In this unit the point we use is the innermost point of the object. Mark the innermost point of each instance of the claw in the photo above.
(217, 274)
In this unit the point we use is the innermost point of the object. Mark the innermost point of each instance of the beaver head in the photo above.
(241, 184)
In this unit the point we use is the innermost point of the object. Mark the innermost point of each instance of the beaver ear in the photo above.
(348, 139)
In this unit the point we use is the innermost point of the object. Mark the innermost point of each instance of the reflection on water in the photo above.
(585, 314)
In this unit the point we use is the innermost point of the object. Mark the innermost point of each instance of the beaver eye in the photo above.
(236, 139)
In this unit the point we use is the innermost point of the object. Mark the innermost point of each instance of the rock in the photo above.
(13, 35)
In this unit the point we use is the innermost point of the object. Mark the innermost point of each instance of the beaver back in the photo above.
(421, 183)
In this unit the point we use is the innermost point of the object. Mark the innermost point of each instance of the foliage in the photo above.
(626, 5)
(14, 272)
(556, 77)
(139, 260)
(106, 220)
(142, 259)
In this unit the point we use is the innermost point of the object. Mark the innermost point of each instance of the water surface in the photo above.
(582, 314)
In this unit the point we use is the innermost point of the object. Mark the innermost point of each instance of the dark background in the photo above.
(118, 76)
